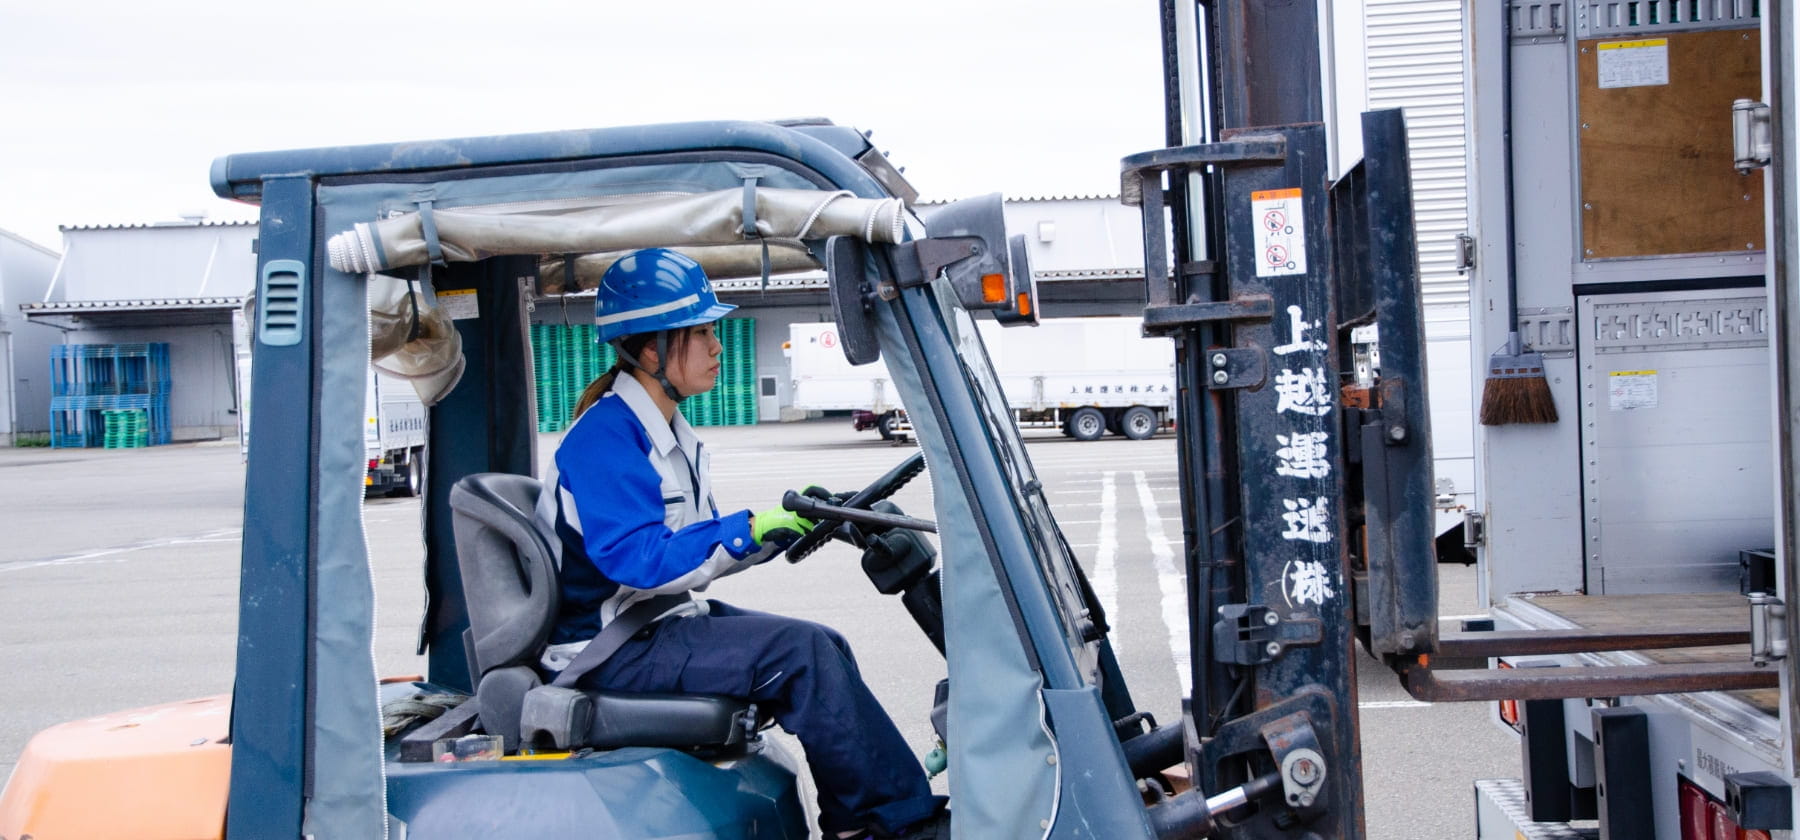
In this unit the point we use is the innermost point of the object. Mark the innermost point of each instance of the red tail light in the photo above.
(1705, 818)
(1695, 822)
(1722, 826)
(374, 463)
(1509, 709)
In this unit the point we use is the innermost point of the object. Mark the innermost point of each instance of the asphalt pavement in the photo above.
(118, 579)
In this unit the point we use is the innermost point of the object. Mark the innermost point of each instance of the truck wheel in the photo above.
(1138, 423)
(415, 474)
(1087, 424)
(885, 426)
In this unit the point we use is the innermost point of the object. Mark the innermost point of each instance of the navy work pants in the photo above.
(804, 675)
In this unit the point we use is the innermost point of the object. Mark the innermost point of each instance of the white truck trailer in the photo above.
(1649, 266)
(1085, 376)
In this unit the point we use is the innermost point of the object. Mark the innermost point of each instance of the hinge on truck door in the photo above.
(1752, 142)
(1768, 629)
(1465, 253)
(1474, 530)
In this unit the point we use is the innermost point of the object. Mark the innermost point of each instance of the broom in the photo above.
(1516, 390)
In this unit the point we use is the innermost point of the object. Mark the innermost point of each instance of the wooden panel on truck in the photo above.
(1655, 145)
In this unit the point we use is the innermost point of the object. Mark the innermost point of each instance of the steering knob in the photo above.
(797, 503)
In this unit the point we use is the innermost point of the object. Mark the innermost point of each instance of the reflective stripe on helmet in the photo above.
(648, 311)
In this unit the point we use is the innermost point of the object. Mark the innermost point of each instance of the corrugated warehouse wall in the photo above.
(25, 271)
(1414, 56)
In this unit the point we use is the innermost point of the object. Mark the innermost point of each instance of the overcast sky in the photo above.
(114, 111)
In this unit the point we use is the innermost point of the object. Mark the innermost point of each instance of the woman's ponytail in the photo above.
(630, 345)
(597, 389)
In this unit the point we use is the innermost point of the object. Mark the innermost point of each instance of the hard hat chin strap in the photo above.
(662, 354)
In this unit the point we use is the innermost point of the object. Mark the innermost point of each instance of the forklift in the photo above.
(476, 231)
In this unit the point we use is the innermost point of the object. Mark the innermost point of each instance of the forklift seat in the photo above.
(509, 583)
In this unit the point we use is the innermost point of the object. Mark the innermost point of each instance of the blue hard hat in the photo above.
(652, 290)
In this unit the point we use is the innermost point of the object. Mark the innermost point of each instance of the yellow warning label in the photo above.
(1275, 195)
(1629, 390)
(458, 303)
(1631, 45)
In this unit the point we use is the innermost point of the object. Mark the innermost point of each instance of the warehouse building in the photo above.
(25, 271)
(181, 284)
(172, 283)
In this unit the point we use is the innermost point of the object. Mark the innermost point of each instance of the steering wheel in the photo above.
(880, 488)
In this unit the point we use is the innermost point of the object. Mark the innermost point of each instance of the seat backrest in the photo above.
(508, 572)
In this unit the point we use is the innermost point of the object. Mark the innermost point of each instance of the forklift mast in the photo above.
(1297, 465)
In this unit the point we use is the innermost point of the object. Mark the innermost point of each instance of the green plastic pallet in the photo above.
(565, 358)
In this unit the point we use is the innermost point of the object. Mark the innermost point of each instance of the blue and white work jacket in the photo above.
(633, 517)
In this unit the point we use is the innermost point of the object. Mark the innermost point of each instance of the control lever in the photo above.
(816, 510)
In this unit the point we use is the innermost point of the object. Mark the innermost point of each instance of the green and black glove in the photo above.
(779, 526)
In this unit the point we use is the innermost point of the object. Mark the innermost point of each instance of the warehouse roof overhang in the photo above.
(157, 312)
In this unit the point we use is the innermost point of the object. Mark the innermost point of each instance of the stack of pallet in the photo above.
(89, 380)
(125, 428)
(565, 358)
(732, 402)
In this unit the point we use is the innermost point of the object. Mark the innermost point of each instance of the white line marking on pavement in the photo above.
(1066, 505)
(222, 536)
(1106, 576)
(1168, 578)
(1393, 704)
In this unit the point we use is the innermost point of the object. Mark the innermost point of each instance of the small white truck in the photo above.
(1085, 376)
(394, 430)
(393, 437)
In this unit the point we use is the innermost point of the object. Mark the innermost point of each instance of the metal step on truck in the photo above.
(1084, 376)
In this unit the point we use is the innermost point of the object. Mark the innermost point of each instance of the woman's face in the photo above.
(693, 366)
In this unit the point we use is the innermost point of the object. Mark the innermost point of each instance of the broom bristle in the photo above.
(1517, 399)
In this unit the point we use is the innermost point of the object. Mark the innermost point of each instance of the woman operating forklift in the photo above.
(633, 519)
